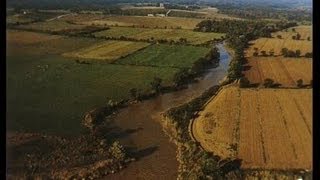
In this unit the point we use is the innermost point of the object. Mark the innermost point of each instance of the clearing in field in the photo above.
(304, 31)
(266, 128)
(285, 71)
(162, 55)
(109, 50)
(159, 34)
(276, 45)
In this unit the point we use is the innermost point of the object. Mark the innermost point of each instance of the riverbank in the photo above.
(159, 161)
(137, 127)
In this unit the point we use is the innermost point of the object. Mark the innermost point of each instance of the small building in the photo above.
(150, 15)
(161, 5)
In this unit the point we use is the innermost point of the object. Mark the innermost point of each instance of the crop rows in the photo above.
(275, 127)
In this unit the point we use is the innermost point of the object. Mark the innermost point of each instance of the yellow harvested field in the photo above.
(109, 50)
(25, 38)
(139, 21)
(285, 71)
(266, 128)
(275, 44)
(304, 31)
(214, 128)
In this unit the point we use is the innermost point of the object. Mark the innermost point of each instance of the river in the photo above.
(142, 134)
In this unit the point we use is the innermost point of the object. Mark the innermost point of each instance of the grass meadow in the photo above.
(161, 55)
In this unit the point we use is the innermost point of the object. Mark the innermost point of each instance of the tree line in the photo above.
(238, 35)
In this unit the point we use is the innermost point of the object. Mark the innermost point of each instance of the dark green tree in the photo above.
(268, 83)
(156, 84)
(300, 83)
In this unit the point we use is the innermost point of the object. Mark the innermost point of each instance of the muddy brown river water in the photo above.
(143, 134)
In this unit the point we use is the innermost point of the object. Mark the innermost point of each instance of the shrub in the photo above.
(133, 93)
(156, 84)
(300, 83)
(268, 83)
(294, 37)
(284, 51)
(308, 55)
(244, 82)
(271, 52)
(117, 151)
(279, 36)
(298, 53)
(255, 54)
(264, 53)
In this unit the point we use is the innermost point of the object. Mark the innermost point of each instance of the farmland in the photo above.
(25, 38)
(48, 92)
(109, 50)
(137, 21)
(52, 26)
(269, 44)
(304, 31)
(267, 128)
(285, 71)
(18, 19)
(159, 34)
(30, 43)
(166, 56)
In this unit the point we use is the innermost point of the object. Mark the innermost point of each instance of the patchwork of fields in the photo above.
(267, 128)
(285, 71)
(52, 26)
(108, 50)
(137, 21)
(159, 34)
(49, 93)
(282, 70)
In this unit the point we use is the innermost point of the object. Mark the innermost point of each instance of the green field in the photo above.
(159, 34)
(47, 92)
(161, 55)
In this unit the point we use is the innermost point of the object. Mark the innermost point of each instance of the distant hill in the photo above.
(93, 3)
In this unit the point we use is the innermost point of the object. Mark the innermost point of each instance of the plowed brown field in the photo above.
(285, 71)
(266, 128)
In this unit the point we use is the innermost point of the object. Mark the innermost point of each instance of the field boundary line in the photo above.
(236, 132)
(259, 70)
(261, 129)
(286, 127)
(302, 115)
(286, 72)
